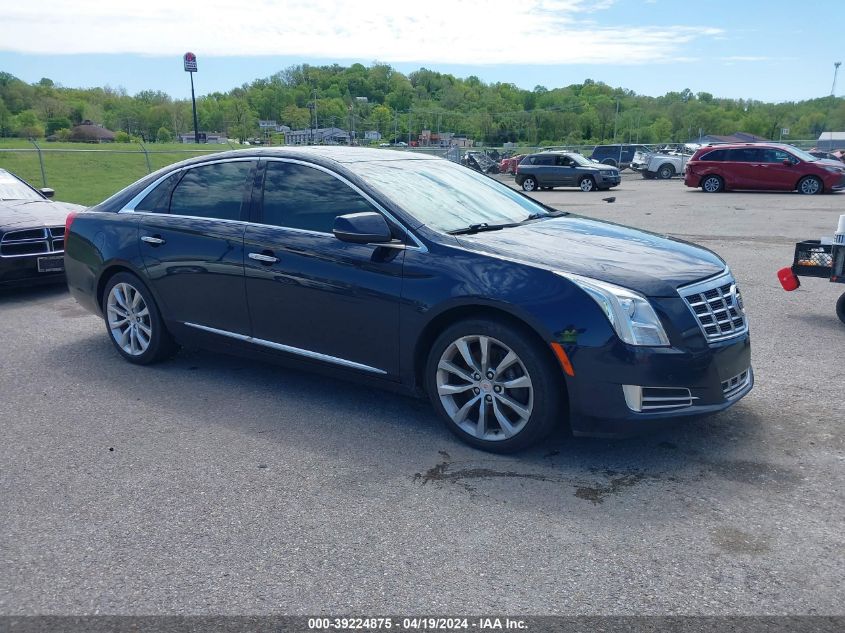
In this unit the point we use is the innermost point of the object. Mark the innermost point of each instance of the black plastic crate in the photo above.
(813, 259)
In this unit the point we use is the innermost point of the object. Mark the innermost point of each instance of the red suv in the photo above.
(769, 166)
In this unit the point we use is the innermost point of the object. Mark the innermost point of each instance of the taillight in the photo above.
(68, 221)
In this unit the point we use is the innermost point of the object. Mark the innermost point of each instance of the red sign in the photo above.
(190, 63)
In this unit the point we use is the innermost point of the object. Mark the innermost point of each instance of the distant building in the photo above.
(88, 132)
(272, 126)
(319, 136)
(427, 138)
(372, 135)
(210, 137)
(830, 141)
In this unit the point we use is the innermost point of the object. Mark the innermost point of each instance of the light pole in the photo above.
(836, 66)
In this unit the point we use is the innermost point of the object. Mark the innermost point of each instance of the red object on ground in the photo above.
(788, 279)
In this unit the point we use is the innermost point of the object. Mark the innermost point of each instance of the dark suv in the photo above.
(548, 170)
(762, 166)
(616, 155)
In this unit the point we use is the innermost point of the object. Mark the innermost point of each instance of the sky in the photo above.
(752, 49)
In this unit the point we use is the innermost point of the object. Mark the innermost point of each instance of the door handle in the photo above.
(263, 258)
(152, 239)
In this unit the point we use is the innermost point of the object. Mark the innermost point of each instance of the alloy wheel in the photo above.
(711, 184)
(485, 388)
(129, 319)
(586, 184)
(810, 186)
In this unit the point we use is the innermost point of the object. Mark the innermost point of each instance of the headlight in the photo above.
(834, 170)
(606, 173)
(630, 313)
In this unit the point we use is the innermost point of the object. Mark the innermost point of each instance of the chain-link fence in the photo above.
(88, 175)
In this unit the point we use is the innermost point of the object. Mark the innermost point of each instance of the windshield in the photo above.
(13, 189)
(446, 196)
(800, 153)
(581, 160)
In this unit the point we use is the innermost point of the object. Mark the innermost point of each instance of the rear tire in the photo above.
(529, 184)
(665, 172)
(712, 184)
(495, 387)
(840, 308)
(810, 186)
(134, 323)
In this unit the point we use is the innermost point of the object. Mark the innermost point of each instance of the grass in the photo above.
(86, 173)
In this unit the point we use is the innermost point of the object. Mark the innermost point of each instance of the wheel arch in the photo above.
(112, 269)
(456, 313)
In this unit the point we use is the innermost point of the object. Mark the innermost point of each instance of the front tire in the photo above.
(840, 308)
(529, 184)
(810, 186)
(712, 184)
(587, 184)
(493, 385)
(134, 323)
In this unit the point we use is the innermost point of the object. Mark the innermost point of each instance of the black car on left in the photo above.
(32, 233)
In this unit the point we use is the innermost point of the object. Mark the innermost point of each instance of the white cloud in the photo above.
(439, 31)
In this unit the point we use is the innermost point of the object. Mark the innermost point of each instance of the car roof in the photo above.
(741, 145)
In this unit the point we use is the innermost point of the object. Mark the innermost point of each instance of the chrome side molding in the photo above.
(287, 348)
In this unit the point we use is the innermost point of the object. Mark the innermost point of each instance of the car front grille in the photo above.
(732, 386)
(717, 306)
(27, 242)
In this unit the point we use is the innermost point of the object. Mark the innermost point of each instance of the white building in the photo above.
(372, 135)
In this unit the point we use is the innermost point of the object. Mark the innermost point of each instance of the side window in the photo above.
(778, 156)
(212, 191)
(564, 161)
(300, 197)
(545, 160)
(744, 155)
(715, 155)
(158, 200)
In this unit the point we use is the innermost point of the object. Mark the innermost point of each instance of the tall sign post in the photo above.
(191, 67)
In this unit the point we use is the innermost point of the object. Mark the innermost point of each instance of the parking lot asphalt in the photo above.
(212, 484)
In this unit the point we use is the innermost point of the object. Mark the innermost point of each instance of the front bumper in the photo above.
(598, 404)
(608, 181)
(23, 271)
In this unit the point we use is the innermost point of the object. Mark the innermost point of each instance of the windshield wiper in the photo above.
(478, 228)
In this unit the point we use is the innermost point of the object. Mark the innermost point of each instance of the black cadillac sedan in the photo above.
(420, 275)
(32, 230)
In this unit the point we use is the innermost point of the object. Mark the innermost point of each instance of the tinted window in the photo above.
(745, 155)
(212, 191)
(544, 160)
(717, 154)
(301, 197)
(564, 161)
(158, 200)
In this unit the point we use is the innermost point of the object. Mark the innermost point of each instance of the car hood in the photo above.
(654, 265)
(16, 214)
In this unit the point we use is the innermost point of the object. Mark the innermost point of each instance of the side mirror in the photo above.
(362, 228)
(47, 192)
